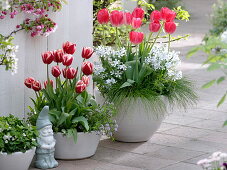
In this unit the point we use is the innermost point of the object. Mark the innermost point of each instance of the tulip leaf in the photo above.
(221, 79)
(221, 101)
(127, 83)
(82, 120)
(72, 133)
(225, 123)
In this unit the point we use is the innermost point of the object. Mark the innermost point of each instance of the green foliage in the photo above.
(215, 49)
(7, 52)
(16, 135)
(181, 13)
(218, 18)
(171, 4)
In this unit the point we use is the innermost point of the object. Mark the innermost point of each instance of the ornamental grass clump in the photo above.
(143, 66)
(16, 135)
(72, 108)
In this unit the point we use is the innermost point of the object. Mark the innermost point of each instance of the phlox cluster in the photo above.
(115, 67)
(160, 58)
(217, 161)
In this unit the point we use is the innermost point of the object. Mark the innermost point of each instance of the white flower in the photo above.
(4, 5)
(24, 134)
(110, 81)
(122, 67)
(7, 137)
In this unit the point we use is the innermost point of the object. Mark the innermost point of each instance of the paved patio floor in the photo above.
(184, 137)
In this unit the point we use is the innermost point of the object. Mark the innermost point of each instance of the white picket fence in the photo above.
(74, 24)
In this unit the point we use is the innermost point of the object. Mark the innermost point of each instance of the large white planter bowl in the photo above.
(136, 122)
(17, 160)
(85, 147)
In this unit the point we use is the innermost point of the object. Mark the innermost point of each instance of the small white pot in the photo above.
(85, 147)
(17, 160)
(136, 123)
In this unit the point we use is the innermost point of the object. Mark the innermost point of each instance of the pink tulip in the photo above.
(86, 80)
(56, 72)
(136, 23)
(67, 60)
(50, 82)
(58, 55)
(138, 13)
(117, 18)
(154, 26)
(167, 14)
(69, 47)
(48, 57)
(87, 68)
(170, 27)
(127, 18)
(136, 37)
(80, 86)
(69, 73)
(36, 86)
(155, 16)
(103, 16)
(28, 82)
(87, 52)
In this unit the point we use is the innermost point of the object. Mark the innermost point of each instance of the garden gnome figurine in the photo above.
(46, 142)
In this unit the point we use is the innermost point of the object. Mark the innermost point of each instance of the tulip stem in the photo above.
(104, 37)
(157, 36)
(117, 37)
(56, 82)
(148, 40)
(169, 42)
(48, 73)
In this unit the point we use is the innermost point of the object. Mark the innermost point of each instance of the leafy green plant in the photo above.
(72, 109)
(216, 51)
(218, 18)
(139, 67)
(16, 135)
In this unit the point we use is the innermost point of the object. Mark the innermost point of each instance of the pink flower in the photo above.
(36, 86)
(136, 23)
(48, 57)
(67, 60)
(50, 82)
(136, 37)
(87, 68)
(127, 18)
(138, 13)
(170, 27)
(155, 16)
(86, 80)
(56, 72)
(167, 14)
(69, 73)
(103, 16)
(28, 82)
(87, 52)
(116, 18)
(69, 47)
(154, 26)
(80, 86)
(58, 55)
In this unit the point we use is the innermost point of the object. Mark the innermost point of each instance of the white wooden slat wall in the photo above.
(74, 24)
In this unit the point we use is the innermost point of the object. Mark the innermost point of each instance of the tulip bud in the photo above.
(48, 57)
(67, 60)
(117, 18)
(170, 27)
(50, 82)
(28, 82)
(138, 13)
(167, 14)
(58, 55)
(69, 47)
(103, 16)
(56, 72)
(127, 18)
(87, 52)
(87, 68)
(69, 73)
(154, 26)
(80, 86)
(136, 23)
(36, 86)
(155, 16)
(86, 80)
(136, 37)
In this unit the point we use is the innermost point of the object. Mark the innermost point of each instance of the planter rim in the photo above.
(17, 153)
(79, 133)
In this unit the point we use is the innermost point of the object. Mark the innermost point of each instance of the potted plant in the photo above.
(78, 121)
(17, 143)
(140, 75)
